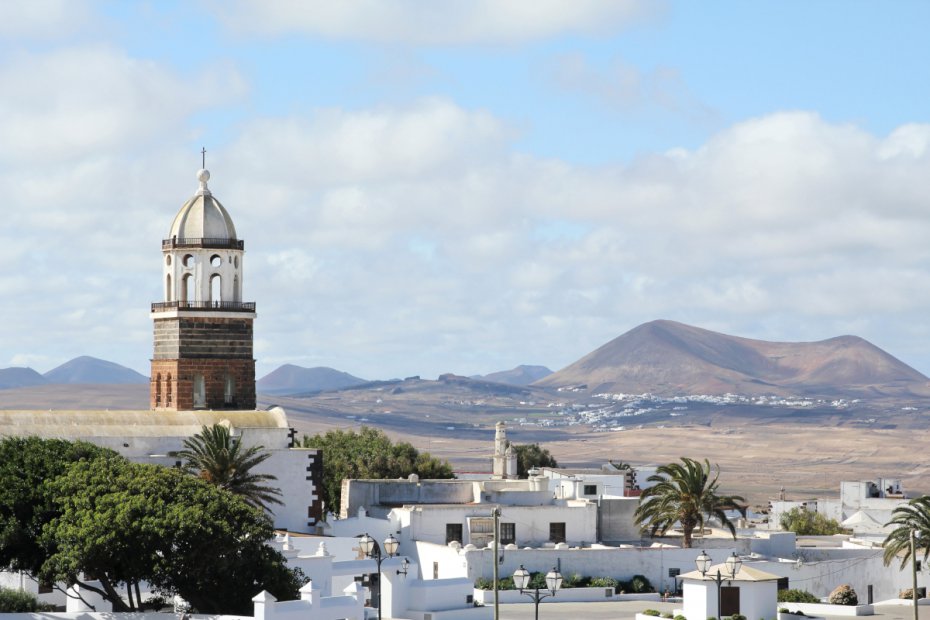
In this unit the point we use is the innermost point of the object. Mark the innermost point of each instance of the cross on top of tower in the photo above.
(203, 157)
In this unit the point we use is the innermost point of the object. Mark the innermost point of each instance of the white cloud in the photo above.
(786, 217)
(42, 18)
(624, 87)
(80, 102)
(433, 23)
(414, 239)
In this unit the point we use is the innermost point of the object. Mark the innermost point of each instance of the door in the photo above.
(729, 601)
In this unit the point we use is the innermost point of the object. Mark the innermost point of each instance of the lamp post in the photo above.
(733, 564)
(372, 551)
(521, 579)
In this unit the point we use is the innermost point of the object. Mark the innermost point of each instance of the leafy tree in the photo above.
(219, 458)
(125, 522)
(685, 493)
(530, 456)
(804, 522)
(369, 453)
(912, 516)
(25, 504)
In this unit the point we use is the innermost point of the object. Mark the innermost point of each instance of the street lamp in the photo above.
(373, 552)
(521, 579)
(733, 564)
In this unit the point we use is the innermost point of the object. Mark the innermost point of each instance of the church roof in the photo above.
(127, 423)
(202, 216)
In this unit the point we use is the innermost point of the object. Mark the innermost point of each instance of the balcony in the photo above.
(206, 242)
(205, 306)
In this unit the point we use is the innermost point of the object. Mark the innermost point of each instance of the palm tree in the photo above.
(912, 516)
(217, 457)
(684, 493)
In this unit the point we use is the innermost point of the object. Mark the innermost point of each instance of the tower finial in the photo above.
(203, 157)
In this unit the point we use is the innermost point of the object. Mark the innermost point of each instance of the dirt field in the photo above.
(755, 461)
(756, 458)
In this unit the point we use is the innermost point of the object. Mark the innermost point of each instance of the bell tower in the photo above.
(203, 357)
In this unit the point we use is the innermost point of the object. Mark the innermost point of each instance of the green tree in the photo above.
(25, 504)
(530, 456)
(369, 454)
(914, 516)
(125, 522)
(685, 493)
(804, 522)
(219, 458)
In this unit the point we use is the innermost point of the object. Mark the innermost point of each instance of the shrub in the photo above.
(575, 581)
(908, 593)
(603, 582)
(680, 617)
(844, 595)
(737, 617)
(17, 601)
(711, 617)
(796, 596)
(806, 523)
(651, 612)
(638, 584)
(483, 583)
(783, 610)
(504, 583)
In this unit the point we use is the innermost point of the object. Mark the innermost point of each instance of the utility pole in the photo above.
(497, 529)
(914, 572)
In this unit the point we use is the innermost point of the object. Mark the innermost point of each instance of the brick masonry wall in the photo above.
(203, 337)
(216, 348)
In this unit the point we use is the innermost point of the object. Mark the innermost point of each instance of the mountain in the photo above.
(20, 377)
(86, 370)
(669, 358)
(291, 379)
(521, 375)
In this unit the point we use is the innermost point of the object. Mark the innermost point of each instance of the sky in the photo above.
(468, 185)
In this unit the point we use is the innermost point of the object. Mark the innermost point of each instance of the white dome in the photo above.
(202, 217)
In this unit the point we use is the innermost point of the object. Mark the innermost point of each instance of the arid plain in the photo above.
(759, 449)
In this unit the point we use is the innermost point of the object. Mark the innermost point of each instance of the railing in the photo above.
(227, 306)
(206, 242)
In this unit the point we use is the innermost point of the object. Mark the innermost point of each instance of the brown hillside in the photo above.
(669, 358)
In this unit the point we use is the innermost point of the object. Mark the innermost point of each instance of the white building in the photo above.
(864, 506)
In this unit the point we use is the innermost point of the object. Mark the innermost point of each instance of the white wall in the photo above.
(621, 563)
(428, 523)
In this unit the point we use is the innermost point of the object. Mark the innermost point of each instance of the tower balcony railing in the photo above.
(204, 306)
(217, 243)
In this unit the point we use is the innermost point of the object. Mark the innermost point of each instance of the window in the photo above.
(200, 391)
(229, 392)
(590, 489)
(168, 390)
(187, 288)
(216, 288)
(508, 534)
(168, 288)
(435, 570)
(453, 532)
(557, 532)
(158, 390)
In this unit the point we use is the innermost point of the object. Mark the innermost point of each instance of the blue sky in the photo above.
(466, 186)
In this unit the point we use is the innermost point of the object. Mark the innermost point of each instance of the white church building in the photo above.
(203, 369)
